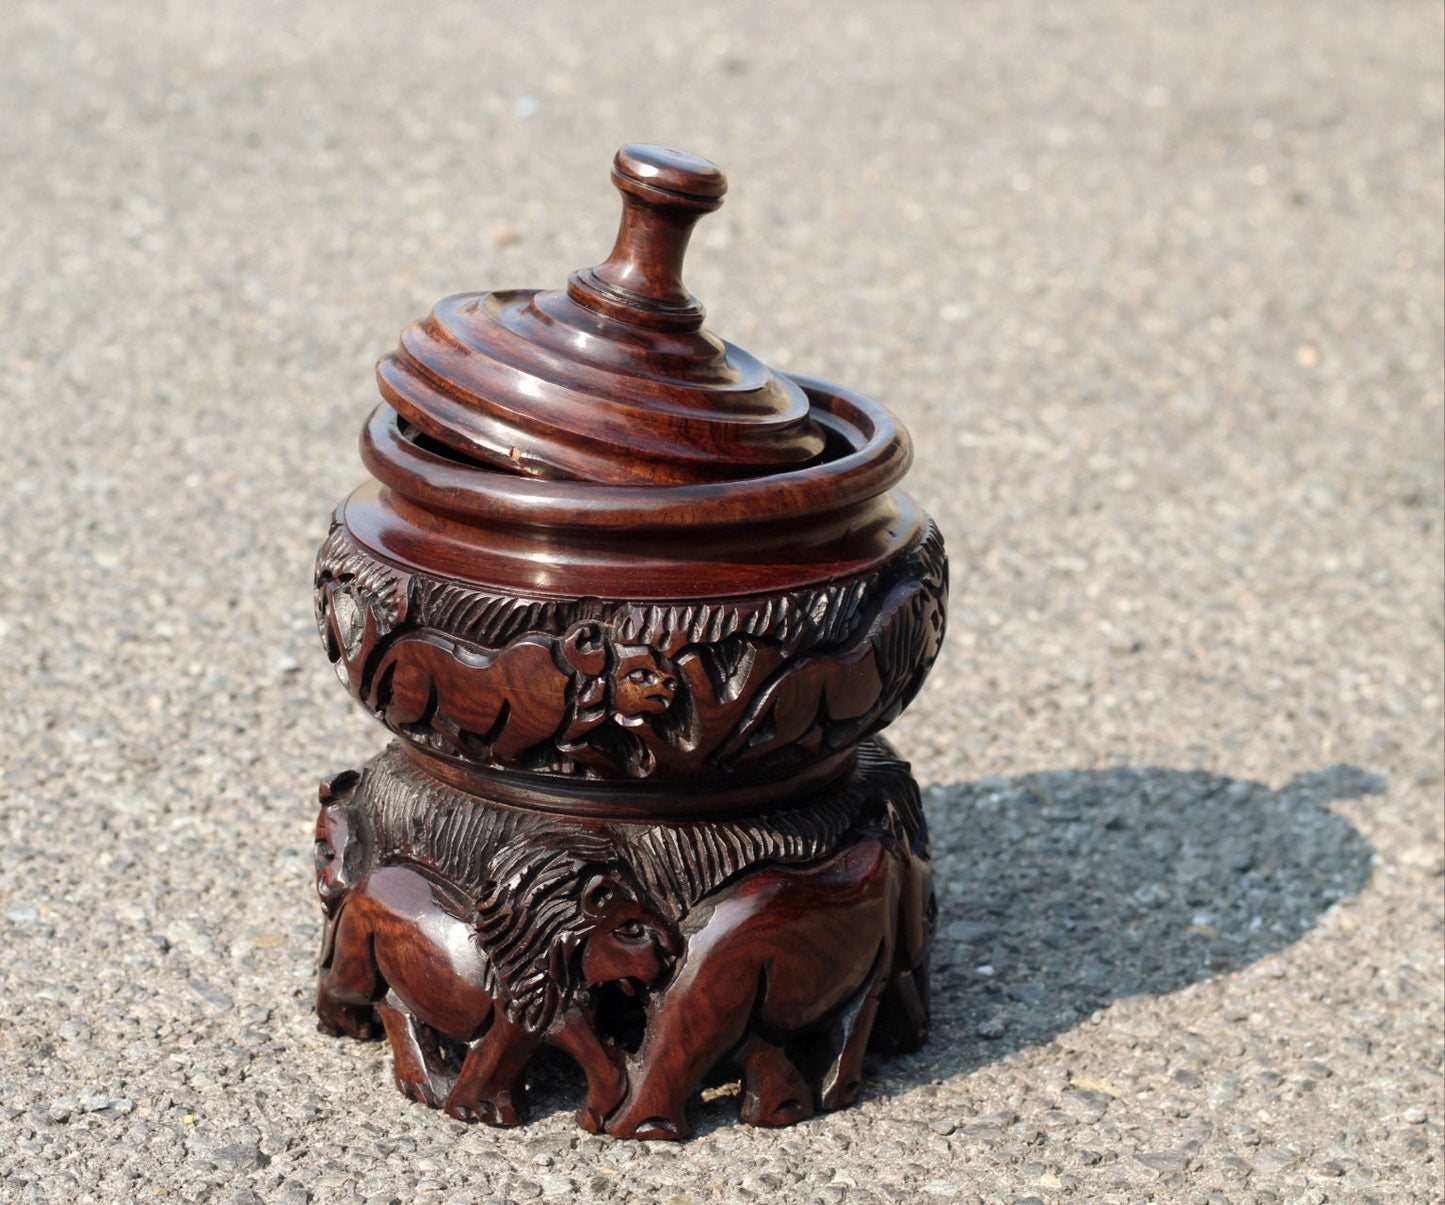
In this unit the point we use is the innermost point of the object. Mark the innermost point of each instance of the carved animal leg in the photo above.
(902, 1022)
(848, 1036)
(415, 1056)
(345, 985)
(337, 1018)
(774, 1092)
(489, 1088)
(903, 1012)
(576, 1033)
(679, 1048)
(450, 733)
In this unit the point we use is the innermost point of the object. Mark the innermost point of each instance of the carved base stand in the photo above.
(472, 927)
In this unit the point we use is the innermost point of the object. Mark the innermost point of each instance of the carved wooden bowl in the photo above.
(612, 568)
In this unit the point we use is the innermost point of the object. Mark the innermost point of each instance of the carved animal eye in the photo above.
(632, 928)
(643, 677)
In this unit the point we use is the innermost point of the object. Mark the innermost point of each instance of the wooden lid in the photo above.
(612, 380)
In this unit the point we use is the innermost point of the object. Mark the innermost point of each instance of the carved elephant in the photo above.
(784, 974)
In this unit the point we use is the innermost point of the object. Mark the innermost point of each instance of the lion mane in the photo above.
(525, 873)
(531, 924)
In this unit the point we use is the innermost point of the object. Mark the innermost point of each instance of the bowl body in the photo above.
(727, 638)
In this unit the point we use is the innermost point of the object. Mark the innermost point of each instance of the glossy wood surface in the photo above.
(611, 381)
(634, 607)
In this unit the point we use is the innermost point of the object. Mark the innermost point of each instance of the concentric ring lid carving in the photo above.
(612, 380)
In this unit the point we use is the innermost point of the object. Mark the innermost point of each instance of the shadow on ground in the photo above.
(1062, 891)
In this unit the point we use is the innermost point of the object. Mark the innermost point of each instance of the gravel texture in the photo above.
(1158, 289)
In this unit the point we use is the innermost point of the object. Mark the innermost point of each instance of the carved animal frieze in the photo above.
(782, 943)
(627, 690)
(539, 701)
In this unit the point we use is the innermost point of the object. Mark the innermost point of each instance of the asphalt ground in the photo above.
(1158, 290)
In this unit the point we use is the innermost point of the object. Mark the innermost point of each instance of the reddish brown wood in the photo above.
(634, 607)
(402, 946)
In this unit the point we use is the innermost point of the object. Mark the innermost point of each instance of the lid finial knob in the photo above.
(664, 192)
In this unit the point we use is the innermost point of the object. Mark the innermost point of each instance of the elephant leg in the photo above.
(576, 1033)
(416, 1058)
(696, 1024)
(338, 1018)
(902, 1020)
(903, 1012)
(489, 1088)
(847, 1037)
(347, 981)
(774, 1092)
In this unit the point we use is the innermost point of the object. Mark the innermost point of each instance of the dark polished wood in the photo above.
(634, 607)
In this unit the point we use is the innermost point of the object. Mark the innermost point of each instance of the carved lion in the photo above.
(501, 974)
(538, 691)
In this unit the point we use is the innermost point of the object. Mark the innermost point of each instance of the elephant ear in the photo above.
(334, 786)
(585, 648)
(598, 894)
